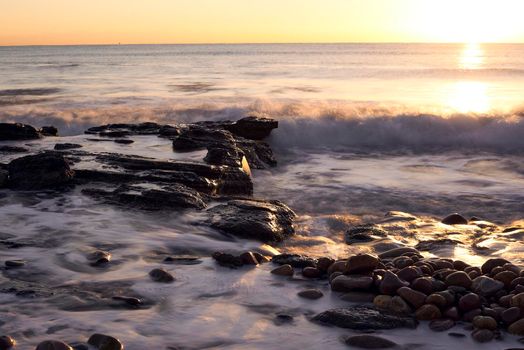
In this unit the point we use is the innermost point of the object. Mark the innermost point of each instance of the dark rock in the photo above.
(17, 131)
(393, 253)
(483, 335)
(174, 197)
(7, 342)
(511, 315)
(505, 277)
(49, 131)
(428, 312)
(324, 263)
(295, 260)
(41, 171)
(423, 284)
(224, 155)
(409, 273)
(455, 219)
(437, 300)
(362, 263)
(253, 127)
(248, 258)
(53, 345)
(485, 322)
(270, 221)
(358, 297)
(517, 300)
(228, 260)
(490, 264)
(459, 278)
(469, 302)
(413, 297)
(283, 318)
(129, 300)
(13, 149)
(161, 275)
(486, 286)
(344, 283)
(311, 272)
(452, 313)
(283, 270)
(367, 341)
(361, 234)
(66, 146)
(363, 318)
(123, 141)
(105, 342)
(471, 314)
(517, 327)
(99, 258)
(310, 294)
(457, 335)
(399, 306)
(391, 283)
(15, 263)
(441, 325)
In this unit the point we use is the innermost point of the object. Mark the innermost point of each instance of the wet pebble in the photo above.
(99, 258)
(455, 219)
(391, 283)
(248, 258)
(459, 278)
(469, 302)
(6, 342)
(441, 325)
(53, 345)
(161, 275)
(105, 342)
(483, 335)
(413, 297)
(15, 263)
(367, 341)
(428, 312)
(311, 272)
(361, 264)
(283, 270)
(485, 322)
(511, 315)
(517, 327)
(350, 283)
(310, 294)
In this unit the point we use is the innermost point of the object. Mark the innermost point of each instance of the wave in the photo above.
(309, 125)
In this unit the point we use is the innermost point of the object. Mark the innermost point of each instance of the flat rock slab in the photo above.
(363, 318)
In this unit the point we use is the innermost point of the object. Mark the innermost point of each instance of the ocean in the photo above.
(364, 130)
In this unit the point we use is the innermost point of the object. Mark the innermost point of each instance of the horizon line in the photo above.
(272, 43)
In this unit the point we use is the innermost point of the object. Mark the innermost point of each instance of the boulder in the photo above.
(363, 318)
(17, 131)
(41, 171)
(362, 263)
(253, 127)
(367, 341)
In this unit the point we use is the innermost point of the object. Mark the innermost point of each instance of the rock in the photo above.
(469, 302)
(227, 260)
(161, 275)
(105, 342)
(409, 273)
(367, 341)
(311, 272)
(517, 327)
(428, 312)
(6, 342)
(123, 141)
(270, 221)
(312, 294)
(452, 313)
(517, 301)
(15, 263)
(391, 283)
(490, 264)
(485, 322)
(360, 234)
(458, 278)
(363, 318)
(399, 306)
(283, 270)
(441, 325)
(395, 252)
(99, 258)
(511, 315)
(253, 127)
(49, 131)
(455, 219)
(471, 314)
(483, 335)
(437, 300)
(358, 297)
(283, 318)
(361, 264)
(128, 300)
(66, 146)
(505, 277)
(173, 197)
(295, 260)
(423, 284)
(383, 302)
(486, 286)
(4, 177)
(41, 171)
(323, 264)
(13, 149)
(17, 131)
(344, 283)
(457, 335)
(248, 258)
(53, 345)
(413, 297)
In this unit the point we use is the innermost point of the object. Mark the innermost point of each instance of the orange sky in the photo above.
(44, 22)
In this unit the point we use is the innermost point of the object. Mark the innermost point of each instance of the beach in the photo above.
(214, 163)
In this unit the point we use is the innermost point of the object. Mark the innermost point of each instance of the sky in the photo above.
(62, 22)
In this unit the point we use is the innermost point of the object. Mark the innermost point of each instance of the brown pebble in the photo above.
(105, 342)
(383, 301)
(391, 283)
(361, 264)
(350, 283)
(428, 312)
(511, 315)
(423, 284)
(517, 327)
(490, 264)
(248, 258)
(441, 325)
(469, 302)
(437, 300)
(455, 219)
(483, 335)
(161, 275)
(413, 297)
(505, 277)
(311, 272)
(283, 270)
(459, 278)
(452, 313)
(485, 322)
(53, 345)
(312, 294)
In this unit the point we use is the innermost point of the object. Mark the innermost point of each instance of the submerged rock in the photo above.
(66, 146)
(41, 171)
(295, 260)
(161, 275)
(270, 221)
(253, 127)
(17, 131)
(105, 342)
(455, 219)
(363, 318)
(367, 341)
(53, 345)
(284, 270)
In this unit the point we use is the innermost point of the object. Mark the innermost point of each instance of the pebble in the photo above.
(262, 259)
(455, 219)
(15, 263)
(483, 335)
(505, 277)
(361, 264)
(391, 283)
(413, 297)
(470, 315)
(409, 273)
(283, 270)
(511, 315)
(53, 345)
(423, 284)
(129, 300)
(345, 283)
(311, 272)
(248, 258)
(6, 342)
(441, 325)
(99, 257)
(358, 297)
(312, 294)
(395, 252)
(517, 300)
(428, 312)
(490, 264)
(399, 306)
(383, 301)
(469, 302)
(486, 286)
(457, 335)
(161, 275)
(367, 341)
(459, 278)
(105, 342)
(452, 313)
(437, 300)
(485, 322)
(324, 263)
(282, 318)
(517, 327)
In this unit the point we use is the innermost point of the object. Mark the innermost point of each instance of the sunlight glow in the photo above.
(472, 57)
(469, 96)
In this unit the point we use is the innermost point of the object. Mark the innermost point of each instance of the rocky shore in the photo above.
(399, 287)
